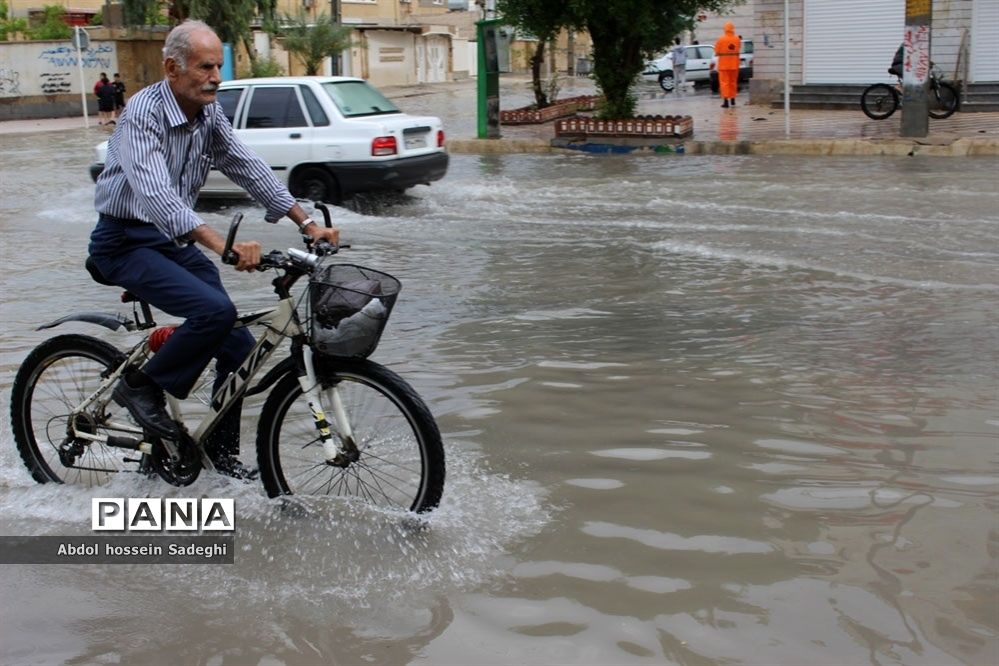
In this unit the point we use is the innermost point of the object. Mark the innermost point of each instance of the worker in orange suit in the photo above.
(727, 49)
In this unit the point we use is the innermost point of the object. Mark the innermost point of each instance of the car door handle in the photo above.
(294, 135)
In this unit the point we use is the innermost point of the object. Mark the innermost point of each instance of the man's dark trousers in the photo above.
(183, 282)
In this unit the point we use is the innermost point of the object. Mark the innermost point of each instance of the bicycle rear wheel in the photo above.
(401, 458)
(943, 100)
(54, 380)
(879, 101)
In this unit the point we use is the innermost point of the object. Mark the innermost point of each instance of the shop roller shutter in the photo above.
(851, 41)
(984, 39)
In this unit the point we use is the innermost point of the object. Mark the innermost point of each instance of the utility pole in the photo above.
(916, 68)
(81, 40)
(570, 46)
(335, 15)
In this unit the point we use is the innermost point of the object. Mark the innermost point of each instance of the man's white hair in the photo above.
(178, 42)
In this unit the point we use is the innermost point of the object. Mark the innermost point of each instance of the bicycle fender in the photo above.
(107, 320)
(283, 368)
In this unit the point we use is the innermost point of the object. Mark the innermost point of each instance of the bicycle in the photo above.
(881, 100)
(380, 443)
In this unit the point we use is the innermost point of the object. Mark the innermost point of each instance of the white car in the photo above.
(326, 137)
(698, 65)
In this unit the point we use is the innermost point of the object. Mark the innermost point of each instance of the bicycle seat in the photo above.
(98, 277)
(95, 272)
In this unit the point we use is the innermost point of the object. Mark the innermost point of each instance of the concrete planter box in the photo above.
(529, 115)
(651, 127)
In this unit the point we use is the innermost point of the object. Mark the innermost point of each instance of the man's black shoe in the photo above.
(231, 466)
(147, 405)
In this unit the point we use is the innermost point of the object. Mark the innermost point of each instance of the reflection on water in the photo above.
(697, 410)
(728, 125)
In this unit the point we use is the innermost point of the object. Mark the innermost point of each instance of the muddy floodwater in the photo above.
(697, 410)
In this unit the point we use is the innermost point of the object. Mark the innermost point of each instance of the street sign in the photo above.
(81, 40)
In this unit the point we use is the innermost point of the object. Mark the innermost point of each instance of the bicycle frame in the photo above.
(279, 323)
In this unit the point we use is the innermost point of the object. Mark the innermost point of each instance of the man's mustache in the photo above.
(210, 87)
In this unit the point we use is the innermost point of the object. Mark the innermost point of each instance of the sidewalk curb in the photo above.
(930, 146)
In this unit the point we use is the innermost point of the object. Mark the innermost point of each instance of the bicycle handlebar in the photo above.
(228, 256)
(276, 259)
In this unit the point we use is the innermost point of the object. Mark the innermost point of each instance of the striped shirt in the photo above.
(157, 162)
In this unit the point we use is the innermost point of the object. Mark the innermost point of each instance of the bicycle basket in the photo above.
(350, 307)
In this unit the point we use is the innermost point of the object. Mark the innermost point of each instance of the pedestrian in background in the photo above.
(105, 102)
(119, 95)
(100, 82)
(727, 49)
(679, 66)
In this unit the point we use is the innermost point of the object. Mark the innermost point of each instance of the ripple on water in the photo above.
(707, 543)
(599, 573)
(596, 484)
(649, 454)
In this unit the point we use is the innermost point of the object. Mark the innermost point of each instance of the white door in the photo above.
(851, 41)
(699, 62)
(421, 58)
(437, 57)
(276, 127)
(984, 59)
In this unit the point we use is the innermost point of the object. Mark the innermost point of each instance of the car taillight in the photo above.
(711, 66)
(440, 138)
(384, 145)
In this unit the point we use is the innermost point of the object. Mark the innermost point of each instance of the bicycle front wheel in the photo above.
(54, 380)
(400, 461)
(879, 101)
(943, 100)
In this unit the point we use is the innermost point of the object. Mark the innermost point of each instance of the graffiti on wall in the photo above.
(56, 83)
(9, 84)
(52, 68)
(917, 53)
(98, 56)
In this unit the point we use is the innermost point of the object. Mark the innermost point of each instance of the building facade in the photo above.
(853, 41)
(396, 42)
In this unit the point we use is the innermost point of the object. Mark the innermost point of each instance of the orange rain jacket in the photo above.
(727, 49)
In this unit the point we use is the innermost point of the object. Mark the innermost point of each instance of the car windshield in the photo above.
(747, 46)
(357, 98)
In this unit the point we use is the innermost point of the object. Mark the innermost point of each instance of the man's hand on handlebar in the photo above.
(247, 255)
(318, 233)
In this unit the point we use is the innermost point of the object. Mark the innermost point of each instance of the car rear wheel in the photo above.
(666, 81)
(315, 184)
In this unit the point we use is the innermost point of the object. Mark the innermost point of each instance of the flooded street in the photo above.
(697, 410)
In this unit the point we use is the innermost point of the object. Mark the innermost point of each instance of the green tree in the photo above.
(543, 19)
(142, 12)
(8, 25)
(231, 19)
(53, 24)
(313, 40)
(626, 33)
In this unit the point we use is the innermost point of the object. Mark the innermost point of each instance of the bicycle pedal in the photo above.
(131, 460)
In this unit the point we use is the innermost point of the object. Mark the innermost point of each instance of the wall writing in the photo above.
(51, 68)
